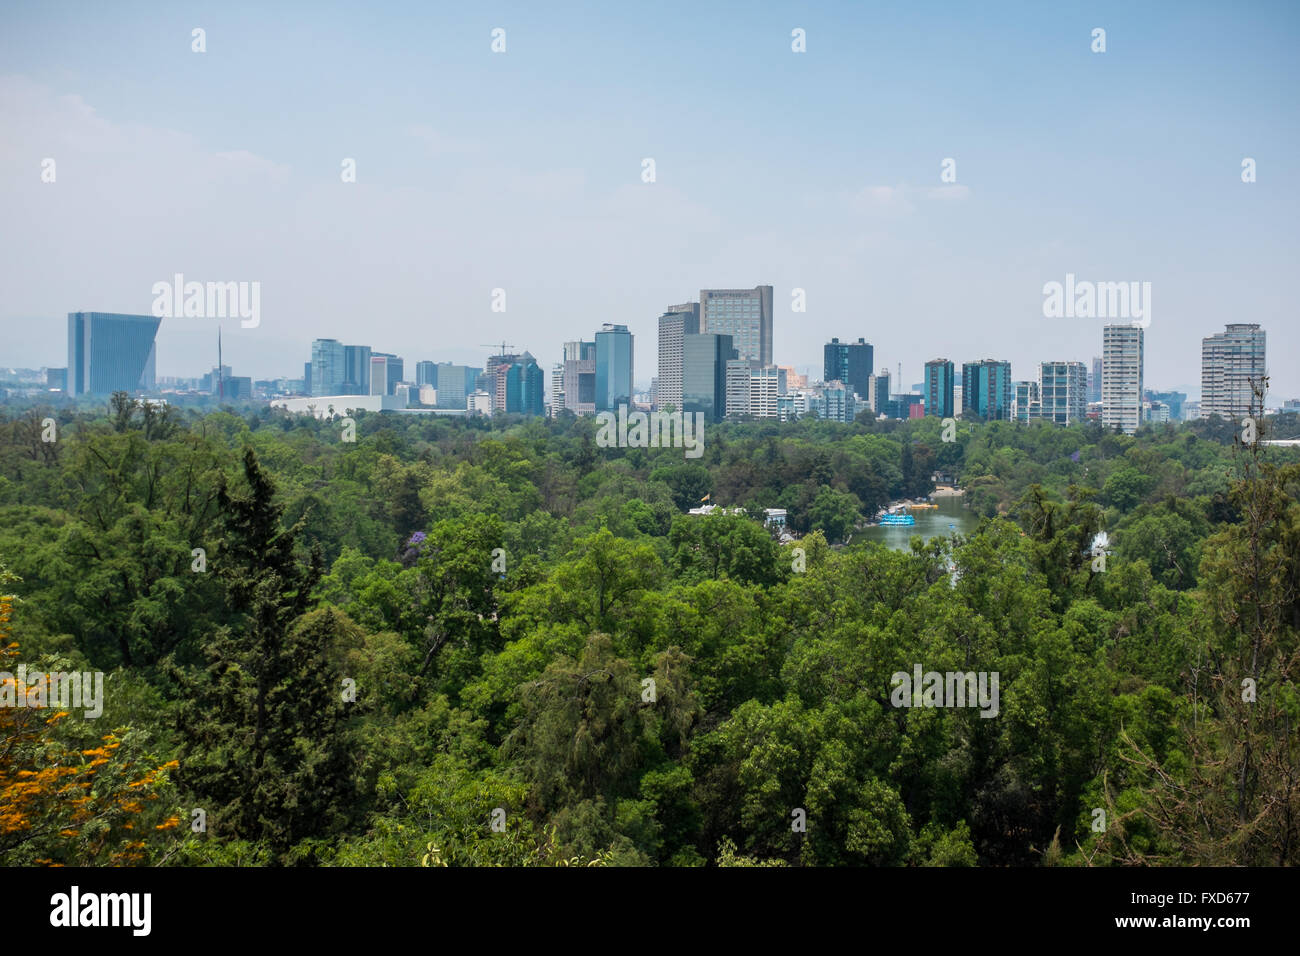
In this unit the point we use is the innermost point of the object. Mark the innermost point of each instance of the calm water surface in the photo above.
(929, 523)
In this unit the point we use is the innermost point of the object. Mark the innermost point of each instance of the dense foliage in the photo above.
(495, 643)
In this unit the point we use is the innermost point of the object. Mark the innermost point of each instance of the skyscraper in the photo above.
(939, 388)
(676, 322)
(328, 367)
(1121, 377)
(613, 367)
(704, 370)
(520, 386)
(356, 370)
(986, 389)
(110, 352)
(1062, 390)
(745, 315)
(426, 373)
(850, 363)
(1232, 363)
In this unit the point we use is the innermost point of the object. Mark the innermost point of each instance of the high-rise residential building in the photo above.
(850, 363)
(426, 373)
(986, 389)
(835, 402)
(1063, 391)
(745, 315)
(110, 352)
(556, 404)
(938, 388)
(676, 322)
(614, 366)
(580, 377)
(1025, 403)
(328, 367)
(793, 380)
(1121, 377)
(1094, 380)
(704, 374)
(1232, 366)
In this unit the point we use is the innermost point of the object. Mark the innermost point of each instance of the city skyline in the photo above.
(1064, 175)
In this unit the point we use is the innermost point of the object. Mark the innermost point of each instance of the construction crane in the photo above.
(504, 345)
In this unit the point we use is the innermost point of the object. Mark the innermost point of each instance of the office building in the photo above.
(1232, 367)
(704, 374)
(737, 388)
(56, 379)
(426, 373)
(986, 390)
(455, 383)
(356, 370)
(676, 322)
(938, 388)
(328, 367)
(1063, 391)
(614, 365)
(850, 363)
(1094, 380)
(520, 385)
(1121, 377)
(110, 352)
(880, 392)
(580, 377)
(743, 314)
(766, 385)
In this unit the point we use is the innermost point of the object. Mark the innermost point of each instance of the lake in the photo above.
(929, 523)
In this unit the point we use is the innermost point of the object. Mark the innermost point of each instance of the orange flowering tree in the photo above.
(64, 803)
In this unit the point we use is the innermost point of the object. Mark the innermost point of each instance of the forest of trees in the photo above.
(491, 642)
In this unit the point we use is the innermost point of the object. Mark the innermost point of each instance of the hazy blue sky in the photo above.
(522, 170)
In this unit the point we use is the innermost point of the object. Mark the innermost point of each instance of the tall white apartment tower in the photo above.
(1232, 362)
(1121, 377)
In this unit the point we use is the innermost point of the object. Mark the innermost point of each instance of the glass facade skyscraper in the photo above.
(745, 315)
(328, 367)
(613, 367)
(704, 374)
(110, 352)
